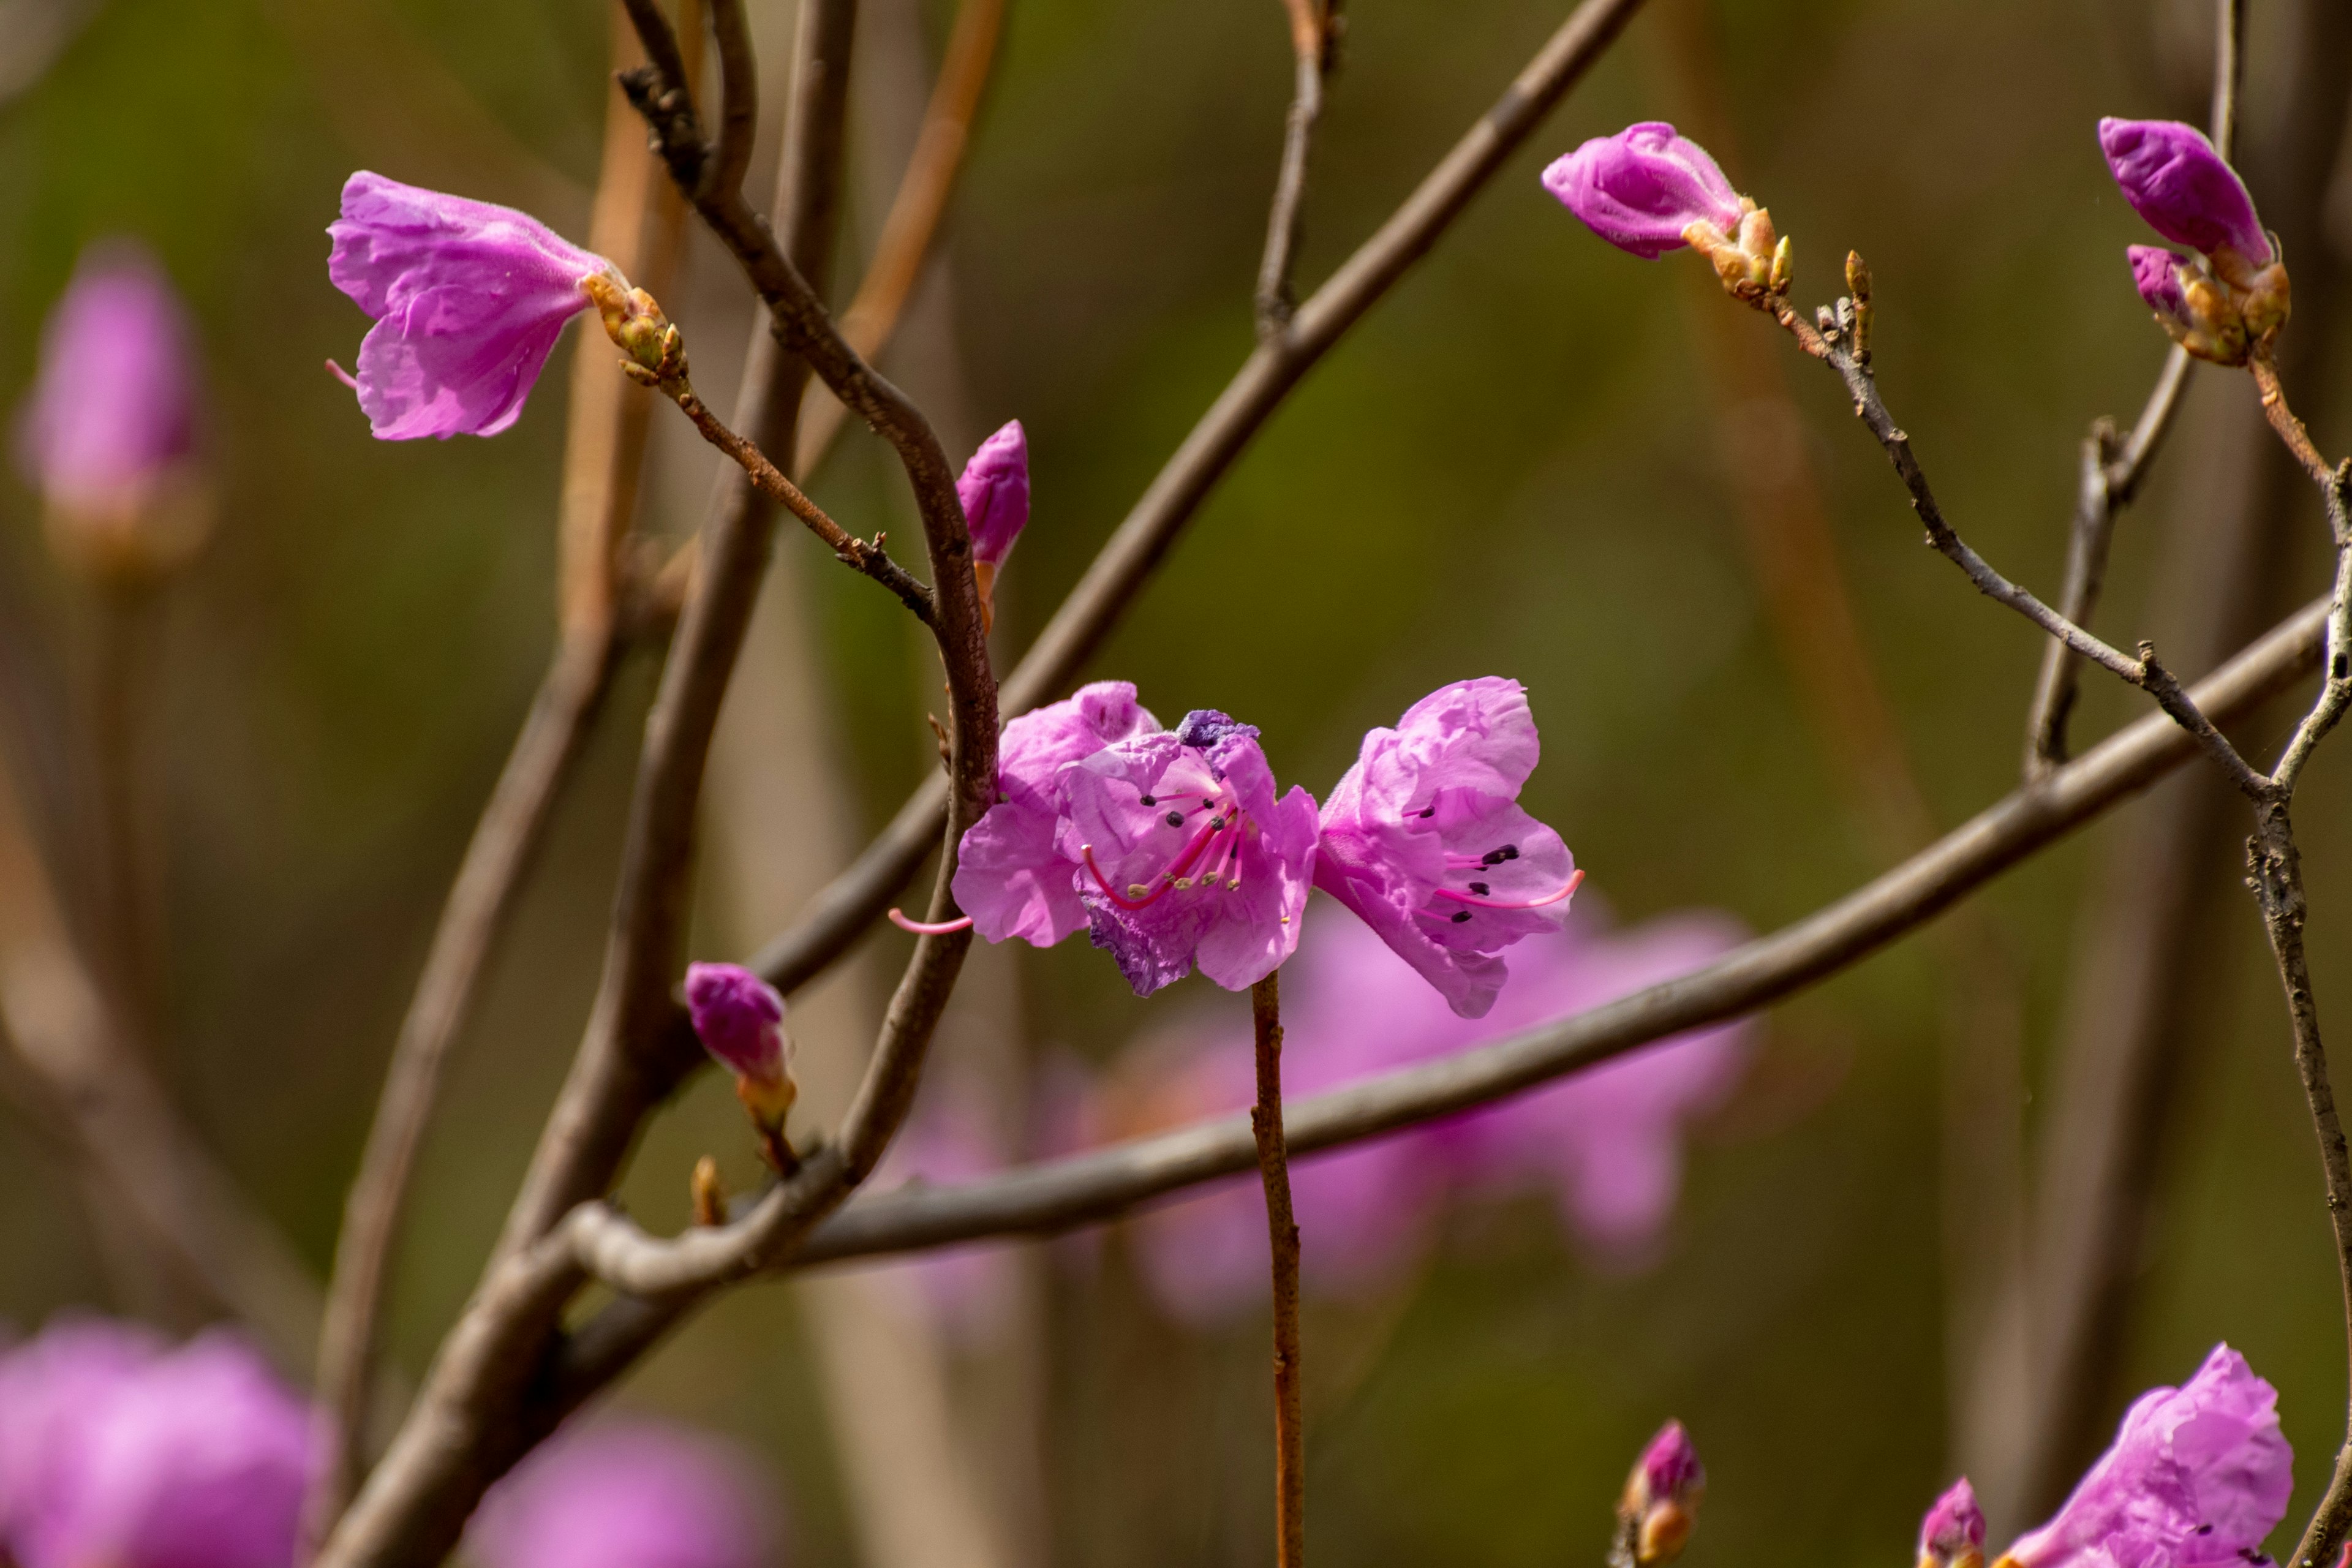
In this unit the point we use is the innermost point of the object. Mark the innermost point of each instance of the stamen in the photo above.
(1147, 800)
(925, 928)
(1574, 878)
(1461, 916)
(1170, 875)
(1175, 819)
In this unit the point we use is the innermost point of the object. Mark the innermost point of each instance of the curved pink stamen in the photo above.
(1164, 878)
(1574, 877)
(339, 374)
(927, 928)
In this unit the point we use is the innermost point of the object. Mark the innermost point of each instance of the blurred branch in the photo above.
(1314, 53)
(1056, 1194)
(56, 1022)
(638, 222)
(2112, 468)
(1282, 1238)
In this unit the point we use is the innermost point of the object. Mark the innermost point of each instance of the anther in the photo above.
(1183, 883)
(1461, 917)
(1480, 888)
(1431, 812)
(1149, 800)
(1136, 891)
(1493, 858)
(1175, 819)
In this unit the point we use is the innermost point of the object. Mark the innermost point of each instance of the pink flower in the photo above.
(1640, 189)
(739, 1019)
(1953, 1533)
(2182, 186)
(628, 1494)
(467, 298)
(2197, 1475)
(47, 1386)
(1605, 1142)
(1424, 839)
(198, 1458)
(1171, 846)
(1011, 876)
(994, 490)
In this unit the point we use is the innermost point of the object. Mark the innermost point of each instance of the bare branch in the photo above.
(1059, 1194)
(1313, 46)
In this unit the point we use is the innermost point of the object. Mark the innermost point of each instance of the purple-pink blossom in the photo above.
(628, 1494)
(1605, 1144)
(1424, 838)
(1643, 188)
(113, 415)
(198, 1457)
(1172, 847)
(739, 1019)
(2175, 180)
(1952, 1534)
(2198, 1477)
(994, 490)
(468, 298)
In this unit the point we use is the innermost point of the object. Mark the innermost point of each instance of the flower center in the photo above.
(1209, 857)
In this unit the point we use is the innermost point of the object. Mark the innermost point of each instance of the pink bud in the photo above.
(1640, 188)
(2155, 272)
(2174, 179)
(741, 1019)
(1952, 1536)
(994, 490)
(1660, 1507)
(1670, 1466)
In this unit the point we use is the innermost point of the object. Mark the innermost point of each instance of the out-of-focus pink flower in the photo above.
(198, 1458)
(1424, 838)
(967, 1292)
(2184, 189)
(739, 1019)
(48, 1387)
(468, 300)
(1952, 1534)
(628, 1494)
(110, 434)
(1643, 189)
(1607, 1143)
(2198, 1477)
(1011, 876)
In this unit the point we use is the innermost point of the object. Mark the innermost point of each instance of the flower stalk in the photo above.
(1282, 1235)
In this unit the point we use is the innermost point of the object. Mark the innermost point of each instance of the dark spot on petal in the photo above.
(1149, 801)
(1175, 819)
(1460, 916)
(1479, 888)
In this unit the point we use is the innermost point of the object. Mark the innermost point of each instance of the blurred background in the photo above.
(1537, 458)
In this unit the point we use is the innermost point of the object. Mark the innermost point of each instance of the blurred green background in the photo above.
(1517, 466)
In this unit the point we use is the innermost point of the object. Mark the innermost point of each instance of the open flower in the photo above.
(994, 490)
(1424, 839)
(1171, 847)
(1649, 189)
(110, 434)
(2197, 1475)
(628, 1494)
(739, 1019)
(2227, 300)
(1011, 875)
(468, 298)
(198, 1458)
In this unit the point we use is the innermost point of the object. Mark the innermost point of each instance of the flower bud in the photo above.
(1952, 1536)
(110, 436)
(2181, 185)
(740, 1020)
(1660, 1507)
(994, 490)
(634, 320)
(1643, 188)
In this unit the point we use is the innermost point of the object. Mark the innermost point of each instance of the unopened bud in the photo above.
(634, 320)
(1660, 1507)
(994, 490)
(740, 1020)
(1952, 1536)
(2216, 307)
(1753, 262)
(708, 1193)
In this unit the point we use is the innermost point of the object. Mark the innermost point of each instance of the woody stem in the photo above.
(1282, 1233)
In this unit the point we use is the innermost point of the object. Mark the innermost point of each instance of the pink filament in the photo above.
(1574, 878)
(926, 928)
(1166, 878)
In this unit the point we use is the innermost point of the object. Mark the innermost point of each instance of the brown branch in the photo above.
(640, 226)
(1059, 1193)
(1315, 52)
(1282, 1239)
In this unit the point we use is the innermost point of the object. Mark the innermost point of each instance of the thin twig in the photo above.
(1057, 1194)
(1282, 1240)
(1314, 48)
